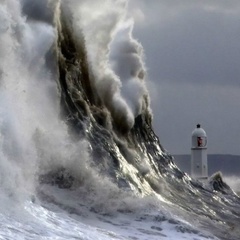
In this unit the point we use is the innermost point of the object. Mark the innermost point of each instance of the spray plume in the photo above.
(115, 58)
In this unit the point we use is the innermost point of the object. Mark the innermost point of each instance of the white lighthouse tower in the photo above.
(199, 164)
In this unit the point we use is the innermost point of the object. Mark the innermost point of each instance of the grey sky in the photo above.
(192, 51)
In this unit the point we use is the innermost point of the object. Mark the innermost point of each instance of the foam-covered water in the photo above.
(78, 156)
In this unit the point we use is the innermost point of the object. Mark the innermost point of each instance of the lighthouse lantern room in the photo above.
(199, 164)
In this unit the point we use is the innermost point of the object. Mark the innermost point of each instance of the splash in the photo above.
(114, 57)
(234, 183)
(33, 137)
(28, 95)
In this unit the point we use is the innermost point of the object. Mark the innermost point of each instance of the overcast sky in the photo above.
(192, 51)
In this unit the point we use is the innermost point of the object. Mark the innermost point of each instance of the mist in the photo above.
(233, 182)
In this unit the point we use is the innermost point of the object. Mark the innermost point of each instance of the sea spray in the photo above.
(115, 59)
(28, 96)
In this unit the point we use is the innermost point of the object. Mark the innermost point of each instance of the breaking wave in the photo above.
(76, 123)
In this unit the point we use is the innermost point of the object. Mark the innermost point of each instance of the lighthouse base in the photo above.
(199, 164)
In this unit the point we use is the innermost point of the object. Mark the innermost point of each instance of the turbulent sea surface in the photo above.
(78, 156)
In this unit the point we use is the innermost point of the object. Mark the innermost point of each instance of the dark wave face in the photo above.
(81, 119)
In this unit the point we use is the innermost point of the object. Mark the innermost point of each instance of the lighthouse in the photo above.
(199, 164)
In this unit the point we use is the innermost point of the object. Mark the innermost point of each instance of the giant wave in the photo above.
(79, 157)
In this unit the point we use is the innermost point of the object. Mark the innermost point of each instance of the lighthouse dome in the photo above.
(199, 137)
(199, 132)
